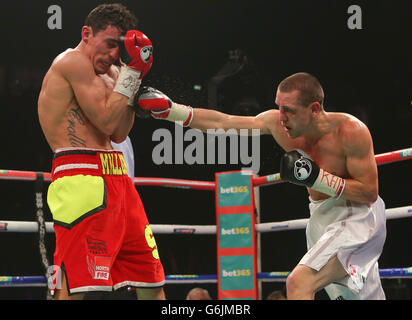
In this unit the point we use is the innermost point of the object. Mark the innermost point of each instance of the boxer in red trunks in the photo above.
(103, 238)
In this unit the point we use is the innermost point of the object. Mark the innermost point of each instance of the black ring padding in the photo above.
(39, 182)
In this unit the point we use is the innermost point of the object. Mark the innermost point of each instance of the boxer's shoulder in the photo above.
(351, 125)
(68, 56)
(71, 61)
(353, 133)
(346, 124)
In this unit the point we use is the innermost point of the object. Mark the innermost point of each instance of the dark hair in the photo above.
(114, 14)
(309, 87)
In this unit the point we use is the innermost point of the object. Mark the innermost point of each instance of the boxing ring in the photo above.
(41, 226)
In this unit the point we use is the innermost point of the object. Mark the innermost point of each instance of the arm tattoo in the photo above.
(75, 116)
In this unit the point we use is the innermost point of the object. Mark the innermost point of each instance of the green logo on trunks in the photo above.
(234, 189)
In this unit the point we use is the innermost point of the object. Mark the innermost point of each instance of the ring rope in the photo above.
(17, 226)
(175, 183)
(28, 226)
(384, 158)
(275, 276)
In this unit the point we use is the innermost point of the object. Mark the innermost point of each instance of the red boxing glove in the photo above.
(162, 107)
(135, 55)
(136, 51)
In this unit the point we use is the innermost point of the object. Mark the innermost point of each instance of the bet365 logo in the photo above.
(237, 273)
(234, 189)
(236, 230)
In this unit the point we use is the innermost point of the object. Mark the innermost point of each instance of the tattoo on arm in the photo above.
(75, 116)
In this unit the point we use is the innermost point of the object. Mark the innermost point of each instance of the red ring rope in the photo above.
(384, 158)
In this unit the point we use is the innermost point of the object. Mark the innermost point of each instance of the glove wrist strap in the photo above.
(128, 82)
(180, 113)
(329, 184)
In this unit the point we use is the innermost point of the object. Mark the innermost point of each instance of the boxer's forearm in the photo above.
(110, 117)
(204, 119)
(125, 124)
(162, 107)
(360, 192)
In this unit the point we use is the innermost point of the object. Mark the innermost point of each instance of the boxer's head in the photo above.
(300, 98)
(101, 30)
(308, 87)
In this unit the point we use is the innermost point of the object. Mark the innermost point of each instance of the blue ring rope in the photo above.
(282, 275)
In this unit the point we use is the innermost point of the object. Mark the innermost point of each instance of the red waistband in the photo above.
(88, 161)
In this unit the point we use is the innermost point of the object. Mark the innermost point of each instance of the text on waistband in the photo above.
(113, 163)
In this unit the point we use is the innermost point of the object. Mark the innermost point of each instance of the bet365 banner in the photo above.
(236, 236)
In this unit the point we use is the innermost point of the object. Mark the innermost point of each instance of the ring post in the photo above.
(236, 236)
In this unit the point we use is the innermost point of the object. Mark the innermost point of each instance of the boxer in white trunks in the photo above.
(332, 155)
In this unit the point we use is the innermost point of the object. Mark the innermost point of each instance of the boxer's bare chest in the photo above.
(327, 151)
(328, 154)
(80, 130)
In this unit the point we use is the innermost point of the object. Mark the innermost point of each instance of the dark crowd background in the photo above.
(229, 56)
